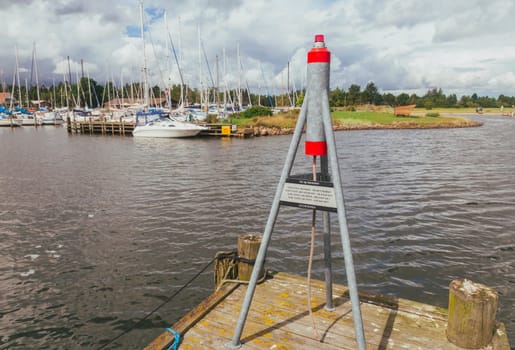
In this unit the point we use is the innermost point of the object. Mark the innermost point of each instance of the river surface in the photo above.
(95, 232)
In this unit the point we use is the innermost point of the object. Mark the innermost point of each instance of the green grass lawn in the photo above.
(388, 119)
(356, 120)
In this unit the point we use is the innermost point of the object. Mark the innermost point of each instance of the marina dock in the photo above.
(279, 319)
(111, 127)
(103, 127)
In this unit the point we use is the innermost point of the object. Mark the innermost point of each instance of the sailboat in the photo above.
(158, 124)
(6, 118)
(52, 118)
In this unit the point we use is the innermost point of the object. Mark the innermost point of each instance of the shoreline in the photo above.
(274, 131)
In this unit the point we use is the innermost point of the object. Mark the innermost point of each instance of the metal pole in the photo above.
(290, 158)
(328, 272)
(347, 252)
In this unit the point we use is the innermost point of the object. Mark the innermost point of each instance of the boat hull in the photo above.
(164, 133)
(9, 123)
(52, 122)
(167, 128)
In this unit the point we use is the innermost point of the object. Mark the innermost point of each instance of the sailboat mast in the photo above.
(18, 78)
(217, 89)
(200, 67)
(183, 85)
(27, 92)
(145, 78)
(36, 72)
(224, 79)
(11, 103)
(239, 77)
(121, 83)
(89, 90)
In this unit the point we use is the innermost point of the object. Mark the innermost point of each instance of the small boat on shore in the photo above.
(166, 127)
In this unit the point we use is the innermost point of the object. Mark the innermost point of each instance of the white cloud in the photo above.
(461, 45)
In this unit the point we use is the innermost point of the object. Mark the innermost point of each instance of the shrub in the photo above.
(211, 118)
(432, 114)
(256, 111)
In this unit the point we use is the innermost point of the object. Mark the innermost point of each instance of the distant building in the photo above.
(5, 99)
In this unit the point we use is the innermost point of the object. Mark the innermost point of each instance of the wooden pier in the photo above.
(110, 127)
(279, 319)
(103, 127)
(226, 130)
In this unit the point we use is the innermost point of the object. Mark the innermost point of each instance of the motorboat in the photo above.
(167, 127)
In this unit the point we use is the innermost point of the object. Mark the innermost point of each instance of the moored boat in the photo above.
(52, 118)
(166, 127)
(9, 121)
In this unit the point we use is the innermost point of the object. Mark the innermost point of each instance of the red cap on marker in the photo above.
(319, 53)
(319, 38)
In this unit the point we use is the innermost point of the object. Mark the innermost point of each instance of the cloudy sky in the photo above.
(461, 46)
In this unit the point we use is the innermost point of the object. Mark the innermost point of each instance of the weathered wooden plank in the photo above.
(166, 338)
(381, 300)
(381, 325)
(221, 326)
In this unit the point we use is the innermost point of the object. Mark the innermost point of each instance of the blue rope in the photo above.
(176, 339)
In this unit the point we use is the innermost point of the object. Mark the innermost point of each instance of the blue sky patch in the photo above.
(133, 31)
(153, 14)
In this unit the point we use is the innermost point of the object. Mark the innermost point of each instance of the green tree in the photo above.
(402, 99)
(370, 94)
(354, 97)
(389, 99)
(337, 97)
(452, 100)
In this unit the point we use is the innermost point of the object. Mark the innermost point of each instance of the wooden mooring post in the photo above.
(472, 309)
(248, 246)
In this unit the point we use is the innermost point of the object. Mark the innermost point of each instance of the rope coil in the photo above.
(226, 268)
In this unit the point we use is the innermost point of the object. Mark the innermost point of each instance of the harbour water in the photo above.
(95, 232)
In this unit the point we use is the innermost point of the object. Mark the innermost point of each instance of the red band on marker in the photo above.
(319, 55)
(316, 148)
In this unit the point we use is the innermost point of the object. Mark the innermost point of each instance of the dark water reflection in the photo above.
(97, 231)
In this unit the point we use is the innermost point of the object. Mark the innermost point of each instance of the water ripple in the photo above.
(96, 231)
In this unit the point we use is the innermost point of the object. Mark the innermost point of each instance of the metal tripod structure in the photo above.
(320, 99)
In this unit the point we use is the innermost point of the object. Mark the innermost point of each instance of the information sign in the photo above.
(309, 194)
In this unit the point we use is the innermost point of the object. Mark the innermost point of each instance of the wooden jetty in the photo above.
(103, 127)
(112, 127)
(279, 319)
(226, 130)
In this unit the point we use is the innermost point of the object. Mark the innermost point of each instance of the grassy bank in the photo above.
(378, 120)
(344, 120)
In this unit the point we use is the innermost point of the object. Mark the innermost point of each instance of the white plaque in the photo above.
(309, 194)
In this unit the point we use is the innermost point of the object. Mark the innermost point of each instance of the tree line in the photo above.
(88, 93)
(431, 99)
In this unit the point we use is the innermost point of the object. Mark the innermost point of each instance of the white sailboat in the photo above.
(52, 118)
(157, 124)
